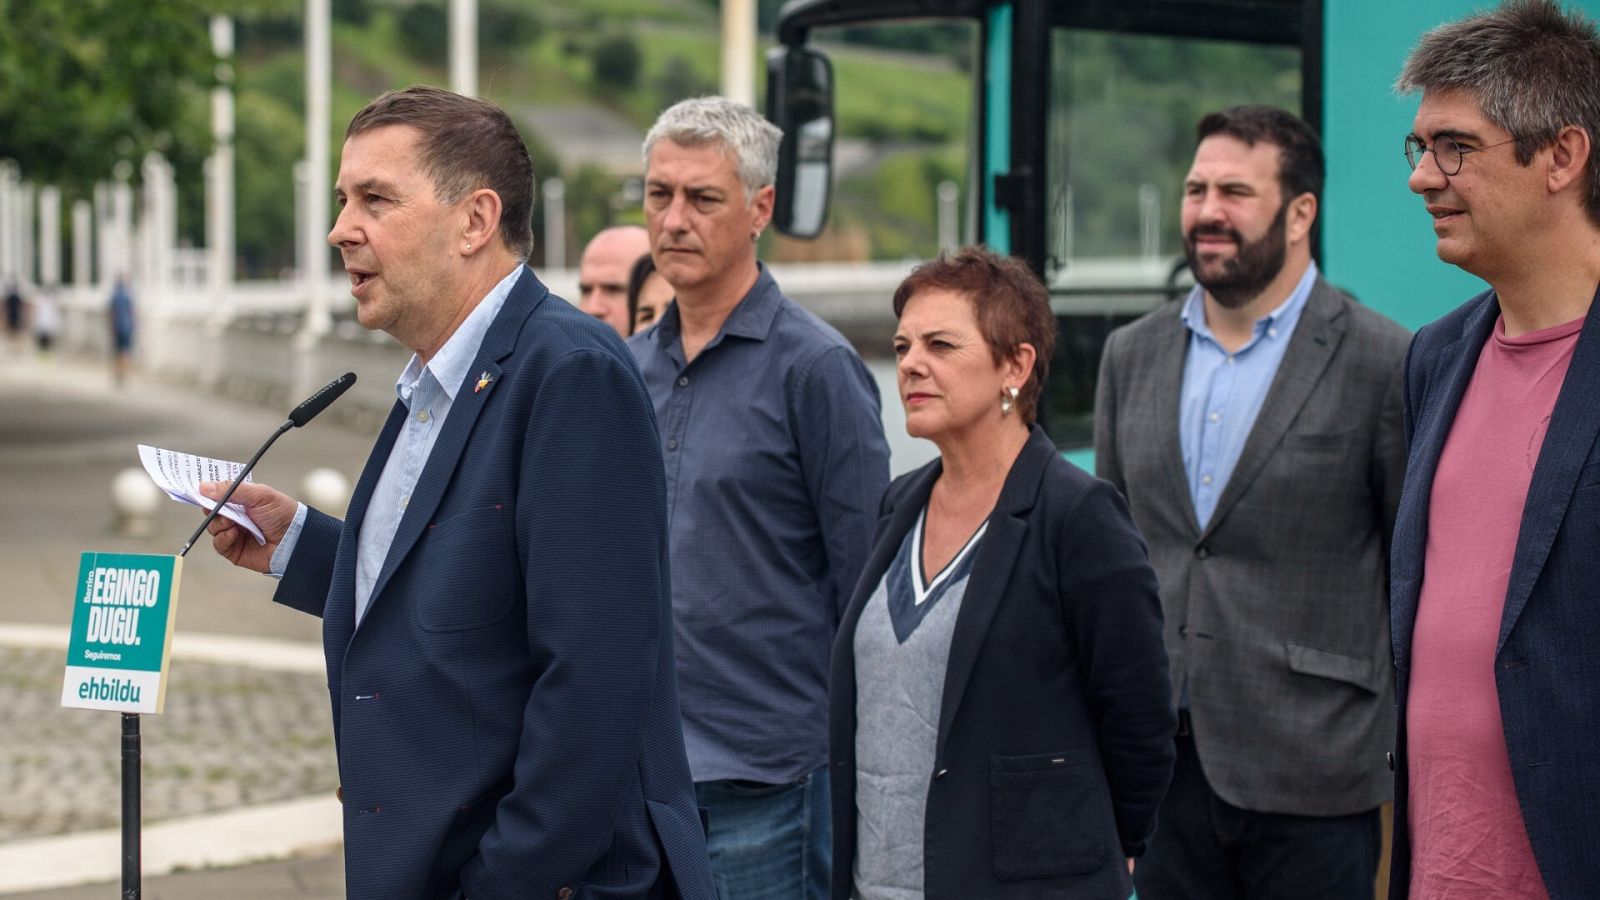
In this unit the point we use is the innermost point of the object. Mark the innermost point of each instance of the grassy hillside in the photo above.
(633, 57)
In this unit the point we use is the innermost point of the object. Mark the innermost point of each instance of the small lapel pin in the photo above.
(483, 381)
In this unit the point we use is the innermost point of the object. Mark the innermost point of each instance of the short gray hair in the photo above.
(1533, 68)
(748, 138)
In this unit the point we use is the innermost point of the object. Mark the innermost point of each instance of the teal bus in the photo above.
(1082, 128)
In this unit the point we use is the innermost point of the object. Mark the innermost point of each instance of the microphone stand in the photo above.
(132, 872)
(238, 479)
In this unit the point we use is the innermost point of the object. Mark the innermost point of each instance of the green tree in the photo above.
(679, 79)
(425, 28)
(86, 83)
(616, 63)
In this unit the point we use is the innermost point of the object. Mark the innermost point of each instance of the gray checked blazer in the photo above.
(1277, 610)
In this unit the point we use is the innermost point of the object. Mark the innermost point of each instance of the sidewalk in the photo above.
(240, 767)
(319, 877)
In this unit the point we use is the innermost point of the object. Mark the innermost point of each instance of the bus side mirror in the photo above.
(800, 101)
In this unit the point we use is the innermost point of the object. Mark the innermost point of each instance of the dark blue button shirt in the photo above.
(776, 463)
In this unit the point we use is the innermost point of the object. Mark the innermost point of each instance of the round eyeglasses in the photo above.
(1447, 154)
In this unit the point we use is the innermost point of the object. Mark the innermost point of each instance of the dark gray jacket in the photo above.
(1277, 611)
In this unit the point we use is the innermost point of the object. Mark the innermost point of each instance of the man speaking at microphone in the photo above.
(495, 607)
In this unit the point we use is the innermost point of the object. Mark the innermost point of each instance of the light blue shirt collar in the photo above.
(1279, 323)
(449, 366)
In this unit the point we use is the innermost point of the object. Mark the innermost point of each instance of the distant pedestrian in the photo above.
(14, 330)
(122, 326)
(46, 321)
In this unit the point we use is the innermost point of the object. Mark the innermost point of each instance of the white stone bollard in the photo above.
(326, 489)
(134, 498)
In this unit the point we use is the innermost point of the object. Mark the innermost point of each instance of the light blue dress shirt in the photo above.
(1223, 392)
(427, 392)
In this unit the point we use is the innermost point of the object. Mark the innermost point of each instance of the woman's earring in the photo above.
(1008, 400)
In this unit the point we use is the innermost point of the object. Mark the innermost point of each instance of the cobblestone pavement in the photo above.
(230, 736)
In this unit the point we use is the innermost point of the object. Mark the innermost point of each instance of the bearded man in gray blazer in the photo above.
(1255, 428)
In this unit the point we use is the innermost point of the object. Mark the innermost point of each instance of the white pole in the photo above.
(121, 222)
(219, 175)
(949, 215)
(555, 224)
(8, 193)
(106, 236)
(23, 204)
(1149, 220)
(314, 230)
(49, 235)
(739, 51)
(156, 226)
(464, 47)
(82, 247)
(302, 218)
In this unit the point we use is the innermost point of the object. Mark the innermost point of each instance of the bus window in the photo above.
(1121, 137)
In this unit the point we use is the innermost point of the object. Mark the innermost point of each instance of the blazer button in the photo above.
(940, 774)
(1201, 552)
(339, 791)
(1390, 756)
(564, 893)
(1183, 631)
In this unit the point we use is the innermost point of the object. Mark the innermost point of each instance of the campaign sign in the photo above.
(122, 622)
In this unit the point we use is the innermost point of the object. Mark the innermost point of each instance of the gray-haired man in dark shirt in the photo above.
(775, 463)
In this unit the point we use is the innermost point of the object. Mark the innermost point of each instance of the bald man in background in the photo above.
(603, 274)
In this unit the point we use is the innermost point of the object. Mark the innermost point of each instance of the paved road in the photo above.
(319, 877)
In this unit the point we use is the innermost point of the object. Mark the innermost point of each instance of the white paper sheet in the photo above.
(180, 474)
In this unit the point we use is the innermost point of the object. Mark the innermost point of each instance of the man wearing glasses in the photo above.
(1255, 428)
(1496, 573)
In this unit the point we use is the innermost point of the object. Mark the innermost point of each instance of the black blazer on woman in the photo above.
(1055, 731)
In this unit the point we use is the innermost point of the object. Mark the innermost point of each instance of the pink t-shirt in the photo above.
(1468, 839)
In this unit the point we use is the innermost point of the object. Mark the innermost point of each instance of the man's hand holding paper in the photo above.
(268, 508)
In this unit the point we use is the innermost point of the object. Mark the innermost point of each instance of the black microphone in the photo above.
(320, 401)
(299, 416)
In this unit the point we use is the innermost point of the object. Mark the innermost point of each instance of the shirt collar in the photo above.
(1279, 322)
(752, 318)
(449, 366)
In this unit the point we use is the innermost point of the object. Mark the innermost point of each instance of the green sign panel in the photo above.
(122, 620)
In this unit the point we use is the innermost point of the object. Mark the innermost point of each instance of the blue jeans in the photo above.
(769, 842)
(1205, 848)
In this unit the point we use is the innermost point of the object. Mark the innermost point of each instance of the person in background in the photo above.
(603, 274)
(1255, 428)
(648, 294)
(121, 318)
(776, 460)
(47, 320)
(1001, 724)
(15, 332)
(1496, 593)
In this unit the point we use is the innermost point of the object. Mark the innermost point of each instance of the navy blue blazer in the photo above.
(1547, 659)
(1056, 723)
(506, 714)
